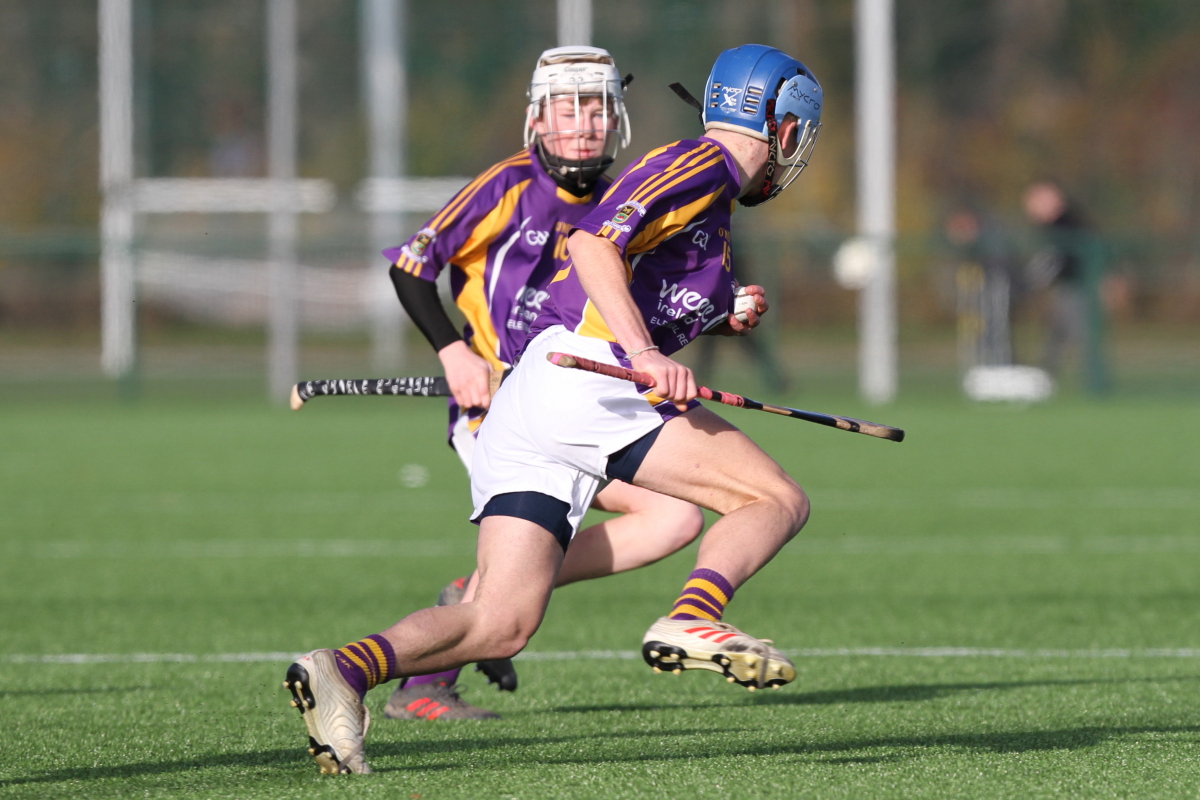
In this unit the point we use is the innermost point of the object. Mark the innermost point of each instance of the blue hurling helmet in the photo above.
(751, 90)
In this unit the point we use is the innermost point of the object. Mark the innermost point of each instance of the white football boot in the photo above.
(337, 720)
(673, 645)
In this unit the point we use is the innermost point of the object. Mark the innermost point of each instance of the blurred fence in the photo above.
(993, 93)
(202, 286)
(48, 277)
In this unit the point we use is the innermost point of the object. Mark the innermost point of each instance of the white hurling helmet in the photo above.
(576, 148)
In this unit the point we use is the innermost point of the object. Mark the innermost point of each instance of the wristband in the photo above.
(637, 353)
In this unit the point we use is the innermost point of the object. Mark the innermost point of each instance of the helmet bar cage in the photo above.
(806, 140)
(553, 141)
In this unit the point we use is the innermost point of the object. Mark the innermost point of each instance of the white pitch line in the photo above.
(259, 548)
(628, 655)
(578, 655)
(149, 658)
(1008, 498)
(174, 504)
(995, 545)
(984, 652)
(966, 544)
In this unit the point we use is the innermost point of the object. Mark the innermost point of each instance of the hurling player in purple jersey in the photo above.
(503, 238)
(650, 269)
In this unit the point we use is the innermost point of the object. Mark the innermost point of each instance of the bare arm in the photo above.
(602, 275)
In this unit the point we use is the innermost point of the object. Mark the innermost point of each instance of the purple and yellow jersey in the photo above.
(504, 236)
(669, 214)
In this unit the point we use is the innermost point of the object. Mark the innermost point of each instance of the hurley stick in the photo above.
(427, 386)
(431, 386)
(831, 420)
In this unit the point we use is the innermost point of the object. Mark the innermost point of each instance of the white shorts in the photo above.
(551, 430)
(463, 439)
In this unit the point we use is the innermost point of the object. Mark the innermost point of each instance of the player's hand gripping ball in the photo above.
(749, 305)
(742, 303)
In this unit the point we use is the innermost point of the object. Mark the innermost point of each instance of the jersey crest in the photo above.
(419, 244)
(623, 214)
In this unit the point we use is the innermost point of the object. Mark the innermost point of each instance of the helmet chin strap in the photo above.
(686, 96)
(577, 178)
(768, 189)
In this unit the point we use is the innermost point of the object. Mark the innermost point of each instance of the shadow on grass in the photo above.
(898, 693)
(263, 758)
(293, 757)
(917, 692)
(863, 760)
(667, 749)
(50, 692)
(703, 744)
(831, 752)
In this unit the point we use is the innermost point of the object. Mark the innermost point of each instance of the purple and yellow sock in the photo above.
(704, 596)
(447, 678)
(366, 663)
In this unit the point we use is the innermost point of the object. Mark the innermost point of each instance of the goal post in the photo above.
(875, 125)
(117, 331)
(386, 194)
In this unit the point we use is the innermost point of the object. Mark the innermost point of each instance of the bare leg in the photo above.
(652, 527)
(518, 564)
(701, 458)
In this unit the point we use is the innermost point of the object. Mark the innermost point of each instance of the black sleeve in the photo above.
(420, 299)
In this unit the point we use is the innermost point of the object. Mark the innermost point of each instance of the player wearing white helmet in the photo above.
(650, 268)
(503, 238)
(569, 82)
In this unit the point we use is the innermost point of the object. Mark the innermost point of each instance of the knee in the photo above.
(673, 523)
(505, 649)
(793, 506)
(683, 525)
(504, 634)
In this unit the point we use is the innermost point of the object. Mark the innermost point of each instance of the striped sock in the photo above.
(366, 663)
(704, 596)
(447, 678)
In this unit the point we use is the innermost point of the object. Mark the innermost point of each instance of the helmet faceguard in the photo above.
(792, 125)
(576, 115)
(760, 91)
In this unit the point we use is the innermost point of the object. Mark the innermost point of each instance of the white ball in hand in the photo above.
(742, 303)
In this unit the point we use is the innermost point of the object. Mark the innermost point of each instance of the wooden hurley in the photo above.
(423, 386)
(832, 420)
(429, 386)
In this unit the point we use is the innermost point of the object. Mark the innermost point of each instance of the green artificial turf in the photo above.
(1057, 545)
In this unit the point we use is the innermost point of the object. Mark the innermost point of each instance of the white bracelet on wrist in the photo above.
(634, 354)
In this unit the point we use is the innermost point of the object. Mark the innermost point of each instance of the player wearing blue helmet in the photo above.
(755, 90)
(751, 90)
(648, 270)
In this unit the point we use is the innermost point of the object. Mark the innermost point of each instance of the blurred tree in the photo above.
(1103, 95)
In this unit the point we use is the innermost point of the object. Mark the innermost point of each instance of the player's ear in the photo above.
(538, 120)
(788, 134)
